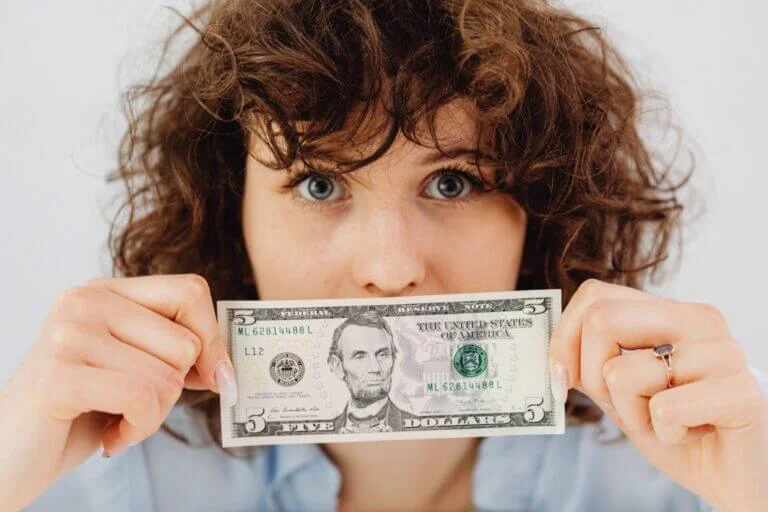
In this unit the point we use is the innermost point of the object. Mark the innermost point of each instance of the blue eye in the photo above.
(319, 189)
(449, 185)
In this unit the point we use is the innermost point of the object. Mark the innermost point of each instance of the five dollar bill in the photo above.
(327, 371)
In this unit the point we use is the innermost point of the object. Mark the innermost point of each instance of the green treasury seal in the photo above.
(470, 360)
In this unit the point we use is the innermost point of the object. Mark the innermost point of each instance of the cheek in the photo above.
(290, 258)
(481, 250)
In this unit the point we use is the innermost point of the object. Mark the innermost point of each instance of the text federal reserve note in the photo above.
(397, 368)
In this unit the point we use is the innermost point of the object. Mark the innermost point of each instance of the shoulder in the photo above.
(118, 483)
(163, 473)
(590, 467)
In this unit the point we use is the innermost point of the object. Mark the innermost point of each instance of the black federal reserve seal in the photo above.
(470, 360)
(286, 368)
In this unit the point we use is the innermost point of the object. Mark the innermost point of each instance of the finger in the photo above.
(82, 388)
(129, 430)
(640, 372)
(194, 381)
(610, 325)
(733, 402)
(565, 344)
(635, 376)
(185, 299)
(106, 351)
(148, 331)
(641, 429)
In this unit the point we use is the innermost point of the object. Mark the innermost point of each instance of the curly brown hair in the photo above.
(554, 101)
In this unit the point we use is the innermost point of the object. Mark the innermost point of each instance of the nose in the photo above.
(374, 366)
(388, 259)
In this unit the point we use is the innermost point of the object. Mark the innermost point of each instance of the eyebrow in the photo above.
(437, 156)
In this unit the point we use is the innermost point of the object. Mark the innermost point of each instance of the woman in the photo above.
(368, 149)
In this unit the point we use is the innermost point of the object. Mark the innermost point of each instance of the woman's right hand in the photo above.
(111, 360)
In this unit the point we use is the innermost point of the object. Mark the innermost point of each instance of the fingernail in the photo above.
(558, 376)
(105, 455)
(225, 381)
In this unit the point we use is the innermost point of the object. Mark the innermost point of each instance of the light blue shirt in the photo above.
(589, 468)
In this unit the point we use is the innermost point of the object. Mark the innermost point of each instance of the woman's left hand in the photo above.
(709, 431)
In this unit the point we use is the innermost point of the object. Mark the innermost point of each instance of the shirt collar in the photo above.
(301, 472)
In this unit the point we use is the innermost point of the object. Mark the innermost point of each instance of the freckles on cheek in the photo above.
(485, 254)
(294, 258)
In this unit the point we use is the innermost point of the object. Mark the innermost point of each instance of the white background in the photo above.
(63, 63)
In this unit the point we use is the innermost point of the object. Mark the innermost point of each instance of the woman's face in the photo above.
(395, 227)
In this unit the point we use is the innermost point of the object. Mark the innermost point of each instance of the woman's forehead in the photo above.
(455, 126)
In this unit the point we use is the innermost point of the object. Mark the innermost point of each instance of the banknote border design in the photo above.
(553, 423)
